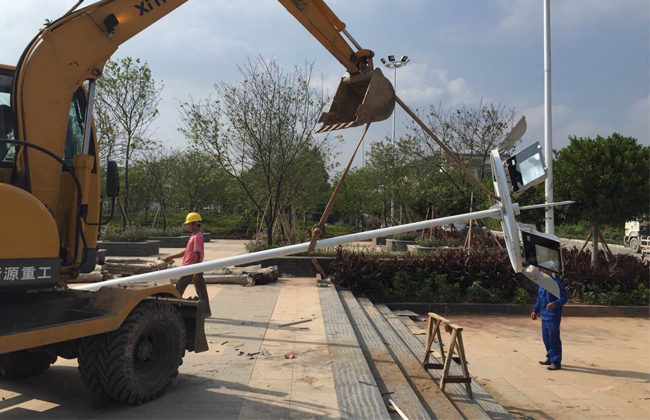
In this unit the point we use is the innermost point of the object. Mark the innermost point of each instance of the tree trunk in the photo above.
(269, 233)
(125, 220)
(594, 240)
(164, 213)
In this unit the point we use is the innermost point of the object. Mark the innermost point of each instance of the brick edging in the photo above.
(515, 309)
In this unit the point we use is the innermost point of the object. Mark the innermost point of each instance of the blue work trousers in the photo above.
(552, 342)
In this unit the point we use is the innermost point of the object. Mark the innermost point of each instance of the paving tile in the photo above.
(566, 392)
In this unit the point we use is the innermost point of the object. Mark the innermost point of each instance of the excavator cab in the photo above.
(360, 99)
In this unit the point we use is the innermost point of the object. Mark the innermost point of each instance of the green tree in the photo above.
(359, 196)
(200, 181)
(471, 132)
(260, 131)
(127, 104)
(607, 178)
(161, 168)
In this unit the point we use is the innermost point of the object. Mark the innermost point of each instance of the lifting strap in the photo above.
(318, 230)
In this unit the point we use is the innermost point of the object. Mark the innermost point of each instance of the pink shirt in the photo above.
(194, 245)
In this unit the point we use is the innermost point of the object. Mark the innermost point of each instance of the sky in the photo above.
(461, 52)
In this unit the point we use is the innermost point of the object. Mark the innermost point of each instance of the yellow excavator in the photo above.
(129, 341)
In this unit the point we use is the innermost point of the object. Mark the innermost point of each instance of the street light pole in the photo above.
(548, 112)
(394, 64)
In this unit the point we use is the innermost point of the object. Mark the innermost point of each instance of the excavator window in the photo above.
(6, 118)
(76, 122)
(75, 136)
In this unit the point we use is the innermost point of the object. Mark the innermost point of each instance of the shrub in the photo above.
(259, 242)
(435, 242)
(485, 275)
(476, 293)
(523, 296)
(171, 231)
(114, 233)
(408, 236)
(130, 234)
(421, 286)
(623, 274)
(370, 275)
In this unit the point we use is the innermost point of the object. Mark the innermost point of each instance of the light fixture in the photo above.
(542, 250)
(111, 23)
(404, 58)
(383, 60)
(526, 168)
(391, 58)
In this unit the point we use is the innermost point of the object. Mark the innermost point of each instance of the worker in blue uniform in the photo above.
(550, 307)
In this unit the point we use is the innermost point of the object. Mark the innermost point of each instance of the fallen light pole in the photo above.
(525, 169)
(289, 250)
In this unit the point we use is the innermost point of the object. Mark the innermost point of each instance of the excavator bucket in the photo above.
(359, 99)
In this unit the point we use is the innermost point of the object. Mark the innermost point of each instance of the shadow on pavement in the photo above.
(608, 372)
(527, 413)
(60, 393)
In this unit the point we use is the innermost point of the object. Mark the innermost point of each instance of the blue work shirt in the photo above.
(544, 298)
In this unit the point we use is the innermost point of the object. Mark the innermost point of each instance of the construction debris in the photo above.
(404, 312)
(246, 276)
(300, 321)
(400, 412)
(124, 267)
(98, 274)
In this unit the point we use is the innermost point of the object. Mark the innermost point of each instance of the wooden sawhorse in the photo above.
(435, 324)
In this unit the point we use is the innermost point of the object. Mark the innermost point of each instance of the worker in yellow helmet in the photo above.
(193, 254)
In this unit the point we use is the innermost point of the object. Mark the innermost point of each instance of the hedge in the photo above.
(486, 276)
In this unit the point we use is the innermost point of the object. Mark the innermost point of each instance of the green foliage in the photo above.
(607, 177)
(292, 236)
(485, 276)
(127, 104)
(439, 242)
(476, 293)
(640, 296)
(129, 234)
(260, 133)
(170, 231)
(421, 286)
(612, 234)
(523, 296)
(114, 233)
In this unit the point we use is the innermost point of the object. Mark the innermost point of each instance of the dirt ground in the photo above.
(605, 368)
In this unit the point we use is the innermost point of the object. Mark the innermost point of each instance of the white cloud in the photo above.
(568, 121)
(419, 85)
(522, 15)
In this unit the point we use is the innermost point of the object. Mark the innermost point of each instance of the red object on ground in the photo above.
(290, 356)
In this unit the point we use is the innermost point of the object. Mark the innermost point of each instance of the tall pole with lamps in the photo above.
(394, 64)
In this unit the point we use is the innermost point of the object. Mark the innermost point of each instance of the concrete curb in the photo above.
(515, 309)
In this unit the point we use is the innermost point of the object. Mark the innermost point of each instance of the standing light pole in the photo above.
(394, 64)
(548, 126)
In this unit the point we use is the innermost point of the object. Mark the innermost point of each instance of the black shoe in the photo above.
(545, 363)
(554, 367)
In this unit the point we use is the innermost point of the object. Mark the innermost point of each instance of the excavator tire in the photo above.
(140, 359)
(23, 364)
(89, 349)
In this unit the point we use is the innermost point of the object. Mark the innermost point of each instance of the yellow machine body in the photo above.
(50, 202)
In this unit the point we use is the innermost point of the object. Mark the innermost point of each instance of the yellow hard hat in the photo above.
(192, 217)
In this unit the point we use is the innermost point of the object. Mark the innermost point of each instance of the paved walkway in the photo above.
(244, 375)
(605, 375)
